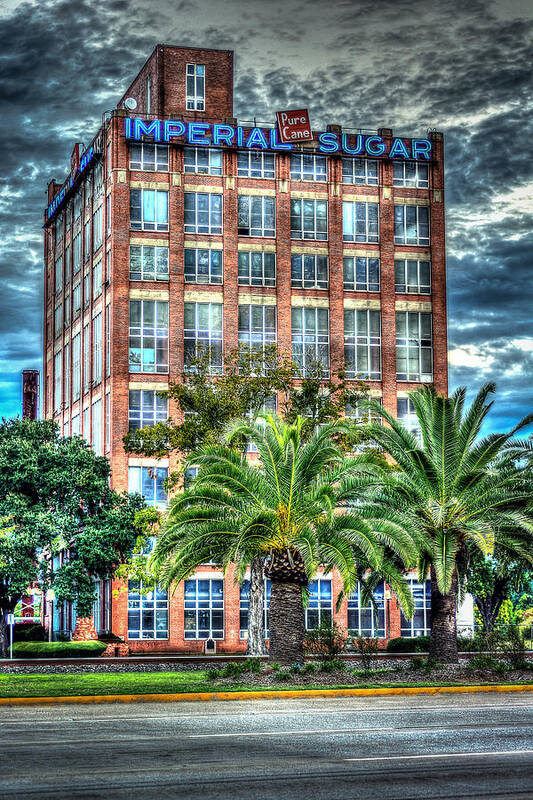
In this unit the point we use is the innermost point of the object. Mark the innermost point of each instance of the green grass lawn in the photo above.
(153, 683)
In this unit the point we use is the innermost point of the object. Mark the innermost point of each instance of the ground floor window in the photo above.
(204, 609)
(365, 618)
(147, 612)
(319, 608)
(420, 624)
(244, 605)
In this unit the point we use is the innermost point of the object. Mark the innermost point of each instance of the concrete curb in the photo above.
(267, 694)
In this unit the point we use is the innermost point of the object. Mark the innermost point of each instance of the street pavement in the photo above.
(391, 748)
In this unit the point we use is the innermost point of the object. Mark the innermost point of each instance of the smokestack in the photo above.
(30, 393)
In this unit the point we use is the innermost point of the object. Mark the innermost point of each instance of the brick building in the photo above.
(180, 226)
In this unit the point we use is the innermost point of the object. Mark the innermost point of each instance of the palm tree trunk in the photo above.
(286, 622)
(443, 640)
(256, 609)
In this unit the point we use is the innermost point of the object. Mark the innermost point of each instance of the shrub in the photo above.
(58, 649)
(29, 632)
(253, 665)
(368, 650)
(213, 674)
(467, 644)
(333, 665)
(406, 644)
(310, 668)
(484, 661)
(513, 646)
(327, 641)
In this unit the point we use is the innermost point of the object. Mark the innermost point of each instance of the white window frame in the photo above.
(160, 272)
(58, 381)
(249, 206)
(157, 475)
(256, 164)
(211, 276)
(407, 626)
(308, 337)
(255, 259)
(299, 262)
(410, 343)
(356, 171)
(97, 349)
(97, 279)
(195, 100)
(411, 288)
(197, 227)
(251, 337)
(402, 225)
(309, 167)
(152, 408)
(208, 338)
(299, 231)
(406, 414)
(317, 605)
(410, 174)
(97, 426)
(361, 343)
(369, 626)
(244, 606)
(153, 601)
(148, 157)
(76, 367)
(202, 161)
(193, 606)
(355, 217)
(160, 220)
(356, 264)
(77, 260)
(148, 333)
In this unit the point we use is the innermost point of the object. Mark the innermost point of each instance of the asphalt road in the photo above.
(391, 748)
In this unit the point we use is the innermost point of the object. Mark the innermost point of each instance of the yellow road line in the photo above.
(266, 694)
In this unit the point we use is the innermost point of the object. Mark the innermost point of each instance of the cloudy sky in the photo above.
(460, 67)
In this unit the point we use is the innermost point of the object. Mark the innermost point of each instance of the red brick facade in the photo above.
(105, 427)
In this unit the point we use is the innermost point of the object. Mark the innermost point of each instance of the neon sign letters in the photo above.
(85, 160)
(208, 134)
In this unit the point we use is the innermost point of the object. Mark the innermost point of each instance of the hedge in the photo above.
(58, 649)
(406, 644)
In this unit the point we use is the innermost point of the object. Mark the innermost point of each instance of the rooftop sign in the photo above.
(82, 163)
(207, 134)
(294, 126)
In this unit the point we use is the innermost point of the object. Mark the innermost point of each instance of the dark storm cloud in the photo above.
(463, 68)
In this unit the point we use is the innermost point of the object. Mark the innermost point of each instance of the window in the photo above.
(108, 266)
(108, 214)
(76, 299)
(66, 321)
(86, 360)
(97, 427)
(97, 279)
(256, 216)
(307, 167)
(361, 274)
(98, 180)
(360, 222)
(148, 263)
(367, 620)
(76, 369)
(319, 607)
(204, 609)
(149, 157)
(97, 349)
(108, 421)
(75, 425)
(68, 216)
(59, 274)
(108, 158)
(77, 205)
(108, 340)
(87, 239)
(195, 80)
(77, 254)
(203, 332)
(310, 339)
(88, 190)
(146, 407)
(189, 475)
(420, 624)
(86, 423)
(361, 171)
(270, 406)
(147, 612)
(67, 265)
(98, 227)
(411, 225)
(58, 225)
(203, 266)
(150, 482)
(257, 327)
(244, 605)
(58, 320)
(148, 210)
(405, 411)
(148, 336)
(309, 272)
(257, 269)
(202, 160)
(203, 212)
(414, 348)
(362, 416)
(411, 174)
(412, 276)
(256, 164)
(57, 381)
(66, 428)
(362, 344)
(309, 219)
(86, 289)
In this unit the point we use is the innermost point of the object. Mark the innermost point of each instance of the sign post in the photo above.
(10, 622)
(294, 126)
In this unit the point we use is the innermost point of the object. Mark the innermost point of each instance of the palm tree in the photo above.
(285, 509)
(455, 490)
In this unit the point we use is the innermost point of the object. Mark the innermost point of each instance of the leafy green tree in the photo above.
(284, 508)
(456, 490)
(492, 580)
(208, 403)
(55, 496)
